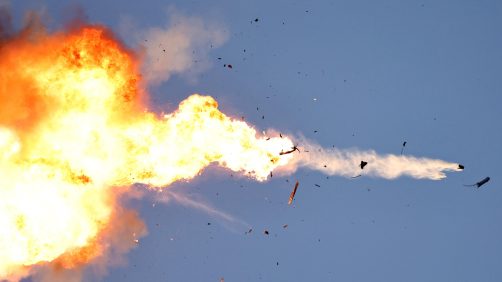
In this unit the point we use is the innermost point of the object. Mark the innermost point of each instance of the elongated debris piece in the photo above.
(480, 183)
(292, 195)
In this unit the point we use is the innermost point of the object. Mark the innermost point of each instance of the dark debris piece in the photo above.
(363, 164)
(293, 193)
(266, 232)
(480, 183)
(460, 166)
(294, 148)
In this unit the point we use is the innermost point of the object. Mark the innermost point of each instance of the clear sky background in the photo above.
(382, 72)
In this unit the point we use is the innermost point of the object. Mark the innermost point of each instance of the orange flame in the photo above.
(73, 130)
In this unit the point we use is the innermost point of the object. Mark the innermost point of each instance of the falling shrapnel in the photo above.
(294, 148)
(402, 149)
(292, 195)
(361, 165)
(480, 183)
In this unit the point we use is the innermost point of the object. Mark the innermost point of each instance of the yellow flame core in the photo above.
(78, 131)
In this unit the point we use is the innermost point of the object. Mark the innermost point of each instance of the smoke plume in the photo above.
(346, 162)
(181, 46)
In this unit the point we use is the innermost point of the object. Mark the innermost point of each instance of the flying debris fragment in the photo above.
(363, 164)
(480, 183)
(402, 149)
(292, 195)
(294, 148)
(460, 166)
(266, 232)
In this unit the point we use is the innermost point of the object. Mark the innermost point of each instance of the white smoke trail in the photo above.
(228, 221)
(347, 162)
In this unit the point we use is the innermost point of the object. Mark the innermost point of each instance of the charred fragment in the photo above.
(294, 148)
(402, 149)
(363, 164)
(480, 183)
(460, 166)
(292, 195)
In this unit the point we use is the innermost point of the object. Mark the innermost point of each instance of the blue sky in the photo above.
(427, 72)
